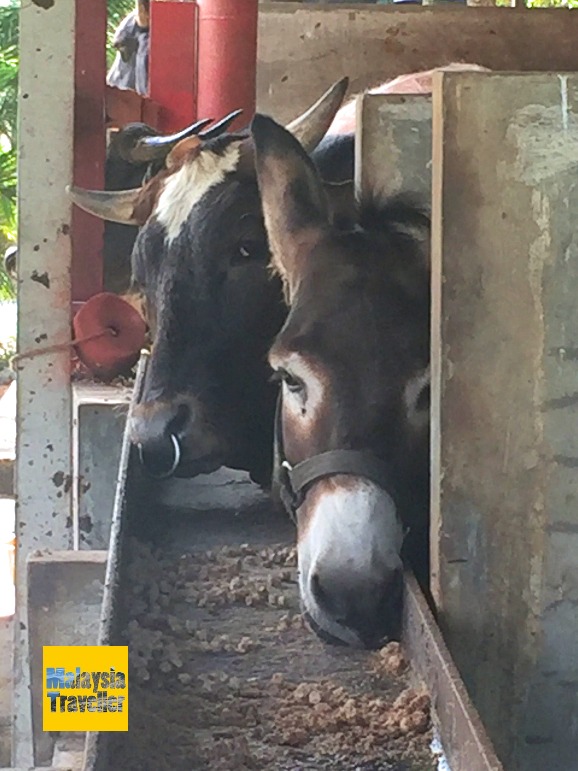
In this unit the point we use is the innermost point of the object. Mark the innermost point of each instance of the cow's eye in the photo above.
(250, 251)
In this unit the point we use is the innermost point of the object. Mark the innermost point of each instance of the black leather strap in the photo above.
(359, 463)
(294, 480)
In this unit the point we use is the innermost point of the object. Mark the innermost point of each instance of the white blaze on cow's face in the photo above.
(349, 532)
(186, 187)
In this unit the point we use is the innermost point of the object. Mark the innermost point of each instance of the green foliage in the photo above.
(552, 3)
(8, 136)
(7, 351)
(117, 10)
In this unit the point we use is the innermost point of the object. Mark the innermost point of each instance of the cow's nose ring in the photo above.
(176, 459)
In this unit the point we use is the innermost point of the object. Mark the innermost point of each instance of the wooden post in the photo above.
(173, 63)
(89, 144)
(393, 145)
(504, 440)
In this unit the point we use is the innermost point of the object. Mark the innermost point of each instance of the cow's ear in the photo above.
(294, 201)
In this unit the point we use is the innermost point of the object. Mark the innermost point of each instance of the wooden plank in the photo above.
(302, 49)
(123, 106)
(464, 737)
(393, 154)
(89, 144)
(43, 489)
(505, 448)
(393, 145)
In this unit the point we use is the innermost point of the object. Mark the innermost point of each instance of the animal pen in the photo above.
(497, 152)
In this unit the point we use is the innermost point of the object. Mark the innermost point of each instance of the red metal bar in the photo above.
(172, 62)
(227, 58)
(89, 144)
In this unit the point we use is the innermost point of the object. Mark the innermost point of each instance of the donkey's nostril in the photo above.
(370, 608)
(160, 457)
(323, 596)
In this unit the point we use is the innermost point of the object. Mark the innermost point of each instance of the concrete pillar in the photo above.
(43, 450)
(505, 403)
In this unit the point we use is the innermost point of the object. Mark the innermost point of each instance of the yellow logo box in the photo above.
(85, 688)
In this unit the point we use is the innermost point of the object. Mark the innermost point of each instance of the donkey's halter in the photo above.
(295, 480)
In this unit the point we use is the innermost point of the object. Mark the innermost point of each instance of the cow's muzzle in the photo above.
(163, 460)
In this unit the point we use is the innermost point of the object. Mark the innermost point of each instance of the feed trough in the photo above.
(223, 673)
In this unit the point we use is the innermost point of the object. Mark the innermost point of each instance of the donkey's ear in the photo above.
(294, 201)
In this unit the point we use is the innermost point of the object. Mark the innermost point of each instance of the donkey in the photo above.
(353, 416)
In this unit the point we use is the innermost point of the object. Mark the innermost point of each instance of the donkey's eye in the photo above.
(294, 384)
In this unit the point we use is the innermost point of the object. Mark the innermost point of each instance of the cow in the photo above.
(130, 69)
(201, 260)
(353, 417)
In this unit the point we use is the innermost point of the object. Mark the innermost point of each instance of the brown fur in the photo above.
(411, 83)
(143, 13)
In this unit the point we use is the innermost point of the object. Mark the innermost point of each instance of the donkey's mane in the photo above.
(401, 213)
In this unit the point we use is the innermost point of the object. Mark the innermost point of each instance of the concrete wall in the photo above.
(302, 49)
(505, 396)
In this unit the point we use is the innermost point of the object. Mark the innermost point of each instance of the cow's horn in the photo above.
(111, 205)
(156, 148)
(311, 127)
(220, 127)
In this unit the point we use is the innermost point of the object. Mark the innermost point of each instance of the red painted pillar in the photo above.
(89, 144)
(172, 62)
(227, 58)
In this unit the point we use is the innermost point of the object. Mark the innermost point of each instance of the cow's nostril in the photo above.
(177, 424)
(161, 457)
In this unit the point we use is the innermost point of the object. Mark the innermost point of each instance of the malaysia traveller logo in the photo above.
(85, 688)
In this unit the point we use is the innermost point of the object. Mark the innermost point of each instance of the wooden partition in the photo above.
(504, 390)
(504, 386)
